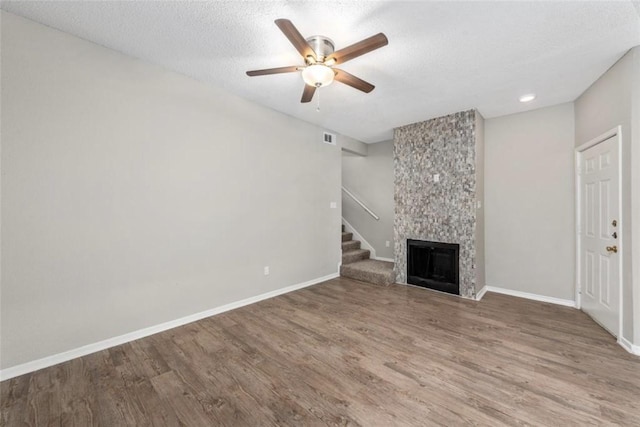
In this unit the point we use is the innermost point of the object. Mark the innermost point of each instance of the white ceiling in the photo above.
(442, 57)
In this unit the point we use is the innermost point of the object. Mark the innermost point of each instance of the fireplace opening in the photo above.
(433, 265)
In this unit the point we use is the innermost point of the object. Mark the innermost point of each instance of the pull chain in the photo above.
(318, 90)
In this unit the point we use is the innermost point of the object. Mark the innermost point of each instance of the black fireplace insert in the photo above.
(433, 265)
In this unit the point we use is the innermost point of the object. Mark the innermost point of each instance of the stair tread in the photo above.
(354, 255)
(353, 251)
(370, 270)
(347, 236)
(350, 245)
(373, 265)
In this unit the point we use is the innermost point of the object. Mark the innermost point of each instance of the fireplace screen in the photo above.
(433, 265)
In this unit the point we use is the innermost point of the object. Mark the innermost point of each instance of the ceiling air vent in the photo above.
(329, 138)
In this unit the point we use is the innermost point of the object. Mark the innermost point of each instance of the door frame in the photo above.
(616, 133)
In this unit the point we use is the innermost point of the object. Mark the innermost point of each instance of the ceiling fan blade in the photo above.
(307, 94)
(353, 81)
(358, 49)
(272, 71)
(295, 38)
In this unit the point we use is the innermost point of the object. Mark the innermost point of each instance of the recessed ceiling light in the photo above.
(528, 97)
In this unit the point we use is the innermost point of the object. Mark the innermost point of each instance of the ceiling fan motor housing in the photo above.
(322, 46)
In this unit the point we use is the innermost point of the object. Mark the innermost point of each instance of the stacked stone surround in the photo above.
(443, 211)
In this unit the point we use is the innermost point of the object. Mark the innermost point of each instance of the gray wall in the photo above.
(443, 211)
(134, 196)
(635, 193)
(354, 146)
(529, 178)
(608, 103)
(480, 204)
(370, 178)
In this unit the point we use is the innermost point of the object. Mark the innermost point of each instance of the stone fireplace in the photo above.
(439, 194)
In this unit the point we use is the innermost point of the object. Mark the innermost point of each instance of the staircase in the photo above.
(357, 265)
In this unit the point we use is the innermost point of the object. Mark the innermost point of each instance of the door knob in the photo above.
(613, 249)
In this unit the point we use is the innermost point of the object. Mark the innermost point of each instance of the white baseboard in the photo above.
(357, 236)
(631, 348)
(481, 293)
(535, 297)
(55, 359)
(379, 258)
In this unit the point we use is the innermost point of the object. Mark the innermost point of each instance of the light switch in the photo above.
(333, 205)
(266, 271)
(387, 243)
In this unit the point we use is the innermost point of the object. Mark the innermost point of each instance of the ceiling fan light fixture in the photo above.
(318, 75)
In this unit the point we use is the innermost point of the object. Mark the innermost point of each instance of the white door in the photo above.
(600, 234)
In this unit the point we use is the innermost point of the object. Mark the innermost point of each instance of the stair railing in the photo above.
(358, 201)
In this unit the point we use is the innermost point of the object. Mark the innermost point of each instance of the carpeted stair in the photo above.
(357, 265)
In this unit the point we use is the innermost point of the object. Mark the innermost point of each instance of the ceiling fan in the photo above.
(320, 57)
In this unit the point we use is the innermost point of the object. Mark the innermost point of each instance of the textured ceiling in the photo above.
(442, 57)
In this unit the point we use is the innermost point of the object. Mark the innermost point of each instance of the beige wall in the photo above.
(132, 195)
(529, 202)
(606, 104)
(370, 178)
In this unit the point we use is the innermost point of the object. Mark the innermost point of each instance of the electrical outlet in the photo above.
(387, 243)
(333, 205)
(266, 271)
(436, 177)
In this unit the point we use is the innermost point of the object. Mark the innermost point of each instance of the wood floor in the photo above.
(348, 353)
